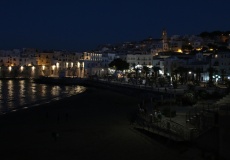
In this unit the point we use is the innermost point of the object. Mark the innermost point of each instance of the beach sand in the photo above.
(92, 125)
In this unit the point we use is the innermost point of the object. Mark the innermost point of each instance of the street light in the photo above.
(190, 75)
(170, 110)
(21, 68)
(57, 64)
(53, 67)
(216, 77)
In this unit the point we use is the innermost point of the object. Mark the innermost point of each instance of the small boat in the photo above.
(60, 80)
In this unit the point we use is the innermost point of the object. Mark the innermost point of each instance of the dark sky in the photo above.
(84, 24)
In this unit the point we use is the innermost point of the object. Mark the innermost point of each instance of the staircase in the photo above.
(204, 115)
(224, 101)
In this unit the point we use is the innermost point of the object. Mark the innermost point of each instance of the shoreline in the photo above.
(20, 98)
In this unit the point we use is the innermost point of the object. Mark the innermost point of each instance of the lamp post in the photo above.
(170, 106)
(136, 68)
(216, 77)
(190, 74)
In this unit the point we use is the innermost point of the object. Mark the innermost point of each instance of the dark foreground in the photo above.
(93, 125)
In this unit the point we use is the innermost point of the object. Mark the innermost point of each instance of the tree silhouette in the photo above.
(119, 64)
(211, 72)
(198, 72)
(146, 71)
(223, 73)
(156, 70)
(183, 74)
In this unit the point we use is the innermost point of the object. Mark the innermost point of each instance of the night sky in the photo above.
(81, 25)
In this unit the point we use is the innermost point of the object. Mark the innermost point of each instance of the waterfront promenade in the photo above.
(201, 125)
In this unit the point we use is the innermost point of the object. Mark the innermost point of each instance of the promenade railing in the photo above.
(166, 128)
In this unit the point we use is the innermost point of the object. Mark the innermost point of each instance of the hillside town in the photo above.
(172, 56)
(179, 86)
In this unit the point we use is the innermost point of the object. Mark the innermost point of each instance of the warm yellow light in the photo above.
(67, 64)
(43, 68)
(71, 64)
(33, 68)
(10, 68)
(21, 68)
(57, 64)
(211, 49)
(179, 50)
(53, 67)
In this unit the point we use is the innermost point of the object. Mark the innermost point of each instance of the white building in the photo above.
(175, 45)
(221, 62)
(170, 64)
(91, 62)
(159, 62)
(107, 58)
(10, 57)
(28, 57)
(139, 59)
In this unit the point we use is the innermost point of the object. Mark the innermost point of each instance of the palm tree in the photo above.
(223, 72)
(136, 69)
(146, 71)
(183, 74)
(156, 70)
(198, 72)
(211, 72)
(175, 74)
(175, 77)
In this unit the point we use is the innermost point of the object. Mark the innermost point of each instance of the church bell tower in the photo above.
(164, 40)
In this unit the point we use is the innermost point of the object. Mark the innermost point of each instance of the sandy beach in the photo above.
(92, 125)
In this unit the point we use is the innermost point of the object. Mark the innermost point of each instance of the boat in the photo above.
(60, 80)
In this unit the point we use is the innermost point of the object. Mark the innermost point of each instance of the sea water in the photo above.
(22, 94)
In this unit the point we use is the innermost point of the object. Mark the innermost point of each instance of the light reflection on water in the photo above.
(16, 94)
(22, 89)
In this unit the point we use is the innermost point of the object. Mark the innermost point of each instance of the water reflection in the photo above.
(55, 90)
(22, 92)
(15, 94)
